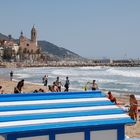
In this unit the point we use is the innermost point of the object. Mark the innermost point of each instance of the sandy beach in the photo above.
(133, 131)
(8, 86)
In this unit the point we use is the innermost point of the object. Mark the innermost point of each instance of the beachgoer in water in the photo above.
(19, 86)
(11, 75)
(112, 98)
(67, 83)
(58, 84)
(94, 85)
(133, 107)
(1, 90)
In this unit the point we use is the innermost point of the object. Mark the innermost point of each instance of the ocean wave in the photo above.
(59, 72)
(66, 72)
(33, 70)
(22, 76)
(118, 79)
(121, 90)
(125, 73)
(93, 68)
(106, 80)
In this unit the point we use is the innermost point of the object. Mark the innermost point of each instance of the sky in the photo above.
(90, 28)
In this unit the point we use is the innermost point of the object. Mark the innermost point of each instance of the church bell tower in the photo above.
(34, 35)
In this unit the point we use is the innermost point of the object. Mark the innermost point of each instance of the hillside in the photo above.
(56, 51)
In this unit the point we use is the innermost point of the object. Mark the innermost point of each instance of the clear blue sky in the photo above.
(91, 28)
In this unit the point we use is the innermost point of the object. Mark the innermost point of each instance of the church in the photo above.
(29, 45)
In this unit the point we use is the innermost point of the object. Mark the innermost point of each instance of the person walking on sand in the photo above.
(11, 75)
(133, 110)
(67, 83)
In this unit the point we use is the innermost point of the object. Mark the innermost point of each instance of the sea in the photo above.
(122, 80)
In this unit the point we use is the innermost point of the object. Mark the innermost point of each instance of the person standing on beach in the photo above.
(58, 83)
(94, 85)
(67, 83)
(19, 86)
(45, 80)
(133, 107)
(11, 75)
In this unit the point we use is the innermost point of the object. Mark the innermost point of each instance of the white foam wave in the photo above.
(125, 73)
(34, 70)
(22, 76)
(59, 72)
(65, 72)
(106, 80)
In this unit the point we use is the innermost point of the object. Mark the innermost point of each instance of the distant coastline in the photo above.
(64, 64)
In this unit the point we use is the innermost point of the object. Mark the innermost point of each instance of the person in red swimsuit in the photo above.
(112, 98)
